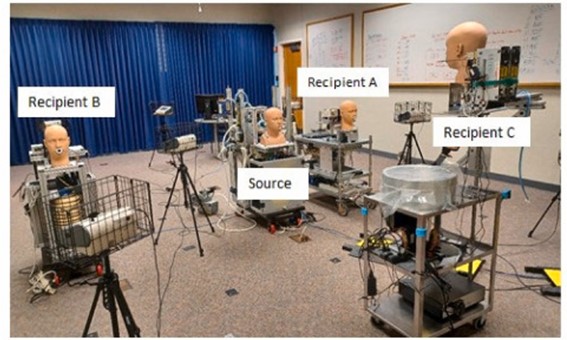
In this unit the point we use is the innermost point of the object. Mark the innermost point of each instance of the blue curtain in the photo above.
(146, 62)
(208, 58)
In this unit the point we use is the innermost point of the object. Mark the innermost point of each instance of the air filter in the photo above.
(418, 187)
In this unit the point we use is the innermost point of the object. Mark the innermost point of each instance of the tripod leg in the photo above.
(152, 158)
(133, 329)
(190, 207)
(410, 151)
(91, 312)
(200, 203)
(418, 148)
(544, 213)
(405, 151)
(110, 304)
(167, 207)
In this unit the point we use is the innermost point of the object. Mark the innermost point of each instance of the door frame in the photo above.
(281, 61)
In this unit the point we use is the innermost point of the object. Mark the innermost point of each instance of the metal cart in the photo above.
(327, 172)
(399, 314)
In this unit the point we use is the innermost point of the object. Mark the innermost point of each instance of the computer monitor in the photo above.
(208, 104)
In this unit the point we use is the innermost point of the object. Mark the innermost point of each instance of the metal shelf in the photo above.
(397, 313)
(477, 250)
(410, 319)
(330, 175)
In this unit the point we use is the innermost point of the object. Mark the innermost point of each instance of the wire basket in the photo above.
(101, 216)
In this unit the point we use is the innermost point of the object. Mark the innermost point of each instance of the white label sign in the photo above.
(66, 102)
(481, 131)
(343, 82)
(273, 184)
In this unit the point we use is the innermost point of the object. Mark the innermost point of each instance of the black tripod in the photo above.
(187, 199)
(164, 135)
(555, 198)
(405, 156)
(112, 294)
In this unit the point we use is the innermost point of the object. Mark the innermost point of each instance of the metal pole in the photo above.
(421, 234)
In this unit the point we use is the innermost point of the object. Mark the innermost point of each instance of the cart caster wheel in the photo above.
(376, 322)
(479, 323)
(272, 229)
(342, 209)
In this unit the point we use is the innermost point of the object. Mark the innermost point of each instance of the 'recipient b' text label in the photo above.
(66, 101)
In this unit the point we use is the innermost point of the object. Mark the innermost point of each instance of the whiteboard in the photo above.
(329, 42)
(410, 39)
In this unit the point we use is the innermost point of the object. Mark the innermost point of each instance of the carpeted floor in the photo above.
(251, 283)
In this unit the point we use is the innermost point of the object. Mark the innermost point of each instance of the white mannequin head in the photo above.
(274, 124)
(349, 112)
(57, 142)
(462, 39)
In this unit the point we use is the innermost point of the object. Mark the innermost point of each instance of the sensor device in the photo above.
(453, 299)
(181, 144)
(101, 232)
(164, 110)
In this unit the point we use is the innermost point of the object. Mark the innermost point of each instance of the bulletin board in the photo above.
(410, 39)
(330, 42)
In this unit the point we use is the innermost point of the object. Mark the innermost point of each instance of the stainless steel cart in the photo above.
(327, 172)
(399, 314)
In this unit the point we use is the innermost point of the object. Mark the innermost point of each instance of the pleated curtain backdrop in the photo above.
(146, 62)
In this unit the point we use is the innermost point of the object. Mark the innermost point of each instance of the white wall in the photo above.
(376, 114)
(225, 13)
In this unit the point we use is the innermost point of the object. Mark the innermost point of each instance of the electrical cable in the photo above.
(221, 166)
(527, 287)
(520, 158)
(524, 284)
(523, 276)
(86, 281)
(162, 295)
(335, 232)
(521, 179)
(236, 213)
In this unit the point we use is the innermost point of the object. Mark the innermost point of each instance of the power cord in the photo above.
(43, 283)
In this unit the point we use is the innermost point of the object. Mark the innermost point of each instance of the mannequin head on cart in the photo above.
(348, 113)
(274, 125)
(56, 141)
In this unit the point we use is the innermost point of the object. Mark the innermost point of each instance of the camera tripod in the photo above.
(164, 133)
(555, 198)
(112, 294)
(405, 155)
(187, 199)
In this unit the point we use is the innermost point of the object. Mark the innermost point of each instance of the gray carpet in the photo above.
(280, 288)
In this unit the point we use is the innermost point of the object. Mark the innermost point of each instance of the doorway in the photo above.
(291, 62)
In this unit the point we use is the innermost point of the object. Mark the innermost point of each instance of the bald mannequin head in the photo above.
(462, 39)
(349, 111)
(274, 124)
(57, 141)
